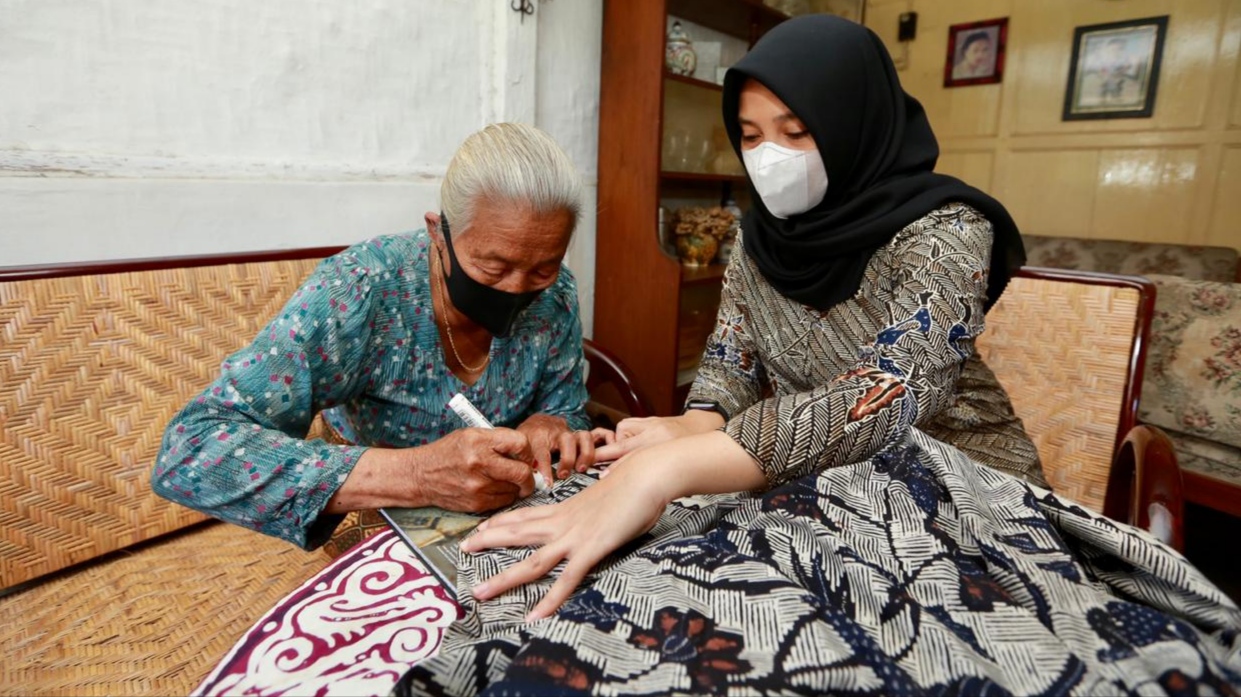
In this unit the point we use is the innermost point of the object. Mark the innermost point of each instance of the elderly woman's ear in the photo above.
(435, 230)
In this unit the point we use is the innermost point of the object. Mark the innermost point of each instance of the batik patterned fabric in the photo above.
(848, 381)
(358, 341)
(916, 571)
(882, 560)
(352, 629)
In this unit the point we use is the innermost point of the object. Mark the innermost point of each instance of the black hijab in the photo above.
(879, 151)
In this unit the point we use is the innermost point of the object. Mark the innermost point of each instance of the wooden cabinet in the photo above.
(651, 310)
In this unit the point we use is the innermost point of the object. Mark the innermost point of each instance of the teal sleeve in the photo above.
(562, 384)
(236, 451)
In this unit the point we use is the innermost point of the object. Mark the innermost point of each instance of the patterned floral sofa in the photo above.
(1134, 258)
(1192, 384)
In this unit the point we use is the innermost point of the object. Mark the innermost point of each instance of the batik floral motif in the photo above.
(709, 654)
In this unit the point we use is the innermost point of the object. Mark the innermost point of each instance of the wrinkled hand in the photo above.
(475, 469)
(583, 530)
(633, 435)
(551, 434)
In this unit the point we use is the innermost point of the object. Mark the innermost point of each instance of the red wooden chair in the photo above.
(614, 393)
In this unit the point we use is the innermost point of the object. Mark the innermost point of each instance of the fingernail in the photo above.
(464, 546)
(480, 591)
(482, 525)
(534, 616)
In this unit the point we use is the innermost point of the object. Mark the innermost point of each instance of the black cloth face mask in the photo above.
(492, 309)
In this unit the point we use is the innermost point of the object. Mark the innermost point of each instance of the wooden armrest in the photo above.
(606, 367)
(1145, 488)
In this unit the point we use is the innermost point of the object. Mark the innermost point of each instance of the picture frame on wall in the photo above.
(1114, 73)
(976, 53)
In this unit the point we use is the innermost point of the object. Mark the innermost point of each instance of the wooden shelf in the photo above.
(766, 11)
(634, 275)
(693, 81)
(707, 177)
(745, 19)
(701, 274)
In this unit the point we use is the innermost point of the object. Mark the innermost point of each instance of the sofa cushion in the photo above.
(1193, 371)
(1208, 458)
(1135, 258)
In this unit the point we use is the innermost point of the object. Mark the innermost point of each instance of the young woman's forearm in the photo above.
(700, 420)
(707, 463)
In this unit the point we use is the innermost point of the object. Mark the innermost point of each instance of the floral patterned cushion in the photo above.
(1136, 258)
(1215, 460)
(1193, 370)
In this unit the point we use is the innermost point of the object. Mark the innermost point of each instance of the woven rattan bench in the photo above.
(108, 589)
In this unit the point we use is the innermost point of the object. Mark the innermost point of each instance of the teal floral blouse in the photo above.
(358, 341)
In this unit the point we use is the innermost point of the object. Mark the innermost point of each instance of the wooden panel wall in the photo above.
(1175, 177)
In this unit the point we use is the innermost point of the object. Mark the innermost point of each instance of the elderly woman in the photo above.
(380, 338)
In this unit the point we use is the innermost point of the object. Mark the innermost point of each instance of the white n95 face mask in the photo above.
(789, 181)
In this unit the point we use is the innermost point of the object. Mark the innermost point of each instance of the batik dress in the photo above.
(905, 545)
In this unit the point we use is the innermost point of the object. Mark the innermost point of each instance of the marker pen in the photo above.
(474, 418)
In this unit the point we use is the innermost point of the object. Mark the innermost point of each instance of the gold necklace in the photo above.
(452, 343)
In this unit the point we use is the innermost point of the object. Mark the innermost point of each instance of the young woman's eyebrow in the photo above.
(786, 116)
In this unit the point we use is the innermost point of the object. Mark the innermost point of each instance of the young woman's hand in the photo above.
(633, 435)
(582, 530)
(598, 520)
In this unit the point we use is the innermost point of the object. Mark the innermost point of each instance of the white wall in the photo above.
(140, 128)
(567, 107)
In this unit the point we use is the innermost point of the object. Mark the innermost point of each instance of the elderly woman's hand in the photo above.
(474, 469)
(551, 434)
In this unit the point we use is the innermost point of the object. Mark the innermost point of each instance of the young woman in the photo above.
(899, 539)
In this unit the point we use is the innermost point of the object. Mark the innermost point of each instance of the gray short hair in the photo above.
(514, 162)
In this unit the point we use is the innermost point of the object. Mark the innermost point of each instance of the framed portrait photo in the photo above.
(976, 53)
(1115, 69)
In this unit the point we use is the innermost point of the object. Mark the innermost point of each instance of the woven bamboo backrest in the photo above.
(1068, 347)
(93, 366)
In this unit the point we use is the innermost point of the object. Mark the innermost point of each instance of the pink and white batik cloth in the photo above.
(352, 629)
